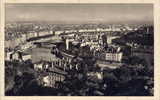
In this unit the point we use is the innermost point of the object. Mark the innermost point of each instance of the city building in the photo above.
(15, 56)
(58, 32)
(38, 66)
(67, 58)
(111, 54)
(8, 55)
(25, 46)
(50, 74)
(52, 78)
(110, 38)
(114, 56)
(103, 64)
(31, 34)
(26, 56)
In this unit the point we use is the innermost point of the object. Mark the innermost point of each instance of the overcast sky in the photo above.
(70, 13)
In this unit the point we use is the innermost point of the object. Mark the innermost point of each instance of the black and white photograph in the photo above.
(79, 49)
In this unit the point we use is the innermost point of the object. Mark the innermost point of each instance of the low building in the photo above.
(8, 55)
(58, 32)
(111, 54)
(95, 75)
(52, 77)
(26, 56)
(110, 38)
(15, 56)
(31, 34)
(105, 64)
(44, 32)
(25, 46)
(18, 55)
(38, 66)
(67, 57)
(114, 56)
(66, 61)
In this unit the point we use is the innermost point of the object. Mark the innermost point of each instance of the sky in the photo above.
(81, 13)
